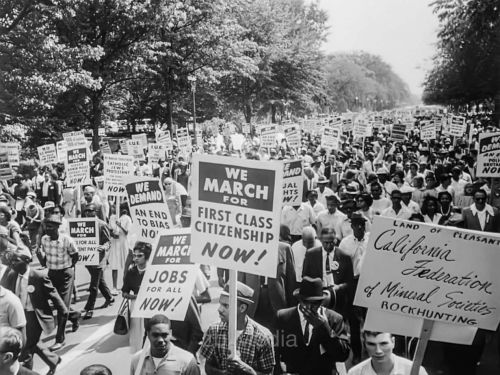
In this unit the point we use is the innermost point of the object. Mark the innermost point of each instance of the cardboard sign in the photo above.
(12, 150)
(330, 138)
(361, 129)
(169, 279)
(398, 132)
(75, 139)
(433, 272)
(5, 169)
(77, 166)
(47, 154)
(347, 125)
(293, 136)
(148, 208)
(268, 136)
(183, 140)
(236, 205)
(62, 151)
(245, 129)
(104, 147)
(85, 233)
(156, 152)
(488, 157)
(457, 126)
(115, 168)
(428, 131)
(101, 132)
(293, 182)
(142, 138)
(123, 146)
(135, 149)
(163, 138)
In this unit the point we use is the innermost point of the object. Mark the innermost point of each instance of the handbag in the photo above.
(122, 321)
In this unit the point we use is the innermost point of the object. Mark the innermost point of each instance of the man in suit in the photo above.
(49, 190)
(480, 215)
(310, 337)
(11, 345)
(34, 289)
(334, 268)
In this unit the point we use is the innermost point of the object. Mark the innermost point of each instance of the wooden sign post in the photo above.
(233, 306)
(423, 340)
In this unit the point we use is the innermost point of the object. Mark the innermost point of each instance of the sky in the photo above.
(402, 32)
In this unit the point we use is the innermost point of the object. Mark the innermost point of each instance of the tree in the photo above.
(466, 66)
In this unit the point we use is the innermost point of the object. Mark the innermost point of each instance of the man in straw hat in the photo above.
(254, 347)
(310, 338)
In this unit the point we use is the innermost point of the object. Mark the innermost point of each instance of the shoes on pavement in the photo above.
(76, 325)
(52, 370)
(56, 346)
(88, 315)
(108, 302)
(115, 292)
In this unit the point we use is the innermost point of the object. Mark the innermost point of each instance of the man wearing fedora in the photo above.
(323, 190)
(34, 289)
(333, 268)
(310, 337)
(254, 344)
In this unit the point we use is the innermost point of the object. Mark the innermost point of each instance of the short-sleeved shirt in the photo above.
(254, 345)
(176, 362)
(402, 366)
(11, 310)
(58, 252)
(296, 220)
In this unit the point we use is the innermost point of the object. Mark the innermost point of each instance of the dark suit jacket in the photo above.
(52, 194)
(307, 359)
(471, 221)
(43, 290)
(342, 277)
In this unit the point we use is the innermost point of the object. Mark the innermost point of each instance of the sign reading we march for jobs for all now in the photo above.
(236, 207)
(85, 234)
(169, 278)
(432, 272)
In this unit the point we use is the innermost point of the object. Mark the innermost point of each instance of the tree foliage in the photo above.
(466, 66)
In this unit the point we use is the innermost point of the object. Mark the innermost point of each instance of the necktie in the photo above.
(21, 290)
(306, 333)
(327, 265)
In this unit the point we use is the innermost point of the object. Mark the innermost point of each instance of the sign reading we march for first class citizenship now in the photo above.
(236, 207)
(432, 272)
(169, 279)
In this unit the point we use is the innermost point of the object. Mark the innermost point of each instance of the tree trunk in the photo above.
(96, 119)
(273, 113)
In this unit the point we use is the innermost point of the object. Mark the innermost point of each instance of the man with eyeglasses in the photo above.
(397, 210)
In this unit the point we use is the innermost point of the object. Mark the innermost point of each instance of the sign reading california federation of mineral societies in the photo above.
(169, 278)
(488, 158)
(148, 209)
(236, 206)
(432, 272)
(86, 237)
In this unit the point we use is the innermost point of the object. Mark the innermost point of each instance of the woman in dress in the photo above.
(430, 209)
(120, 225)
(131, 284)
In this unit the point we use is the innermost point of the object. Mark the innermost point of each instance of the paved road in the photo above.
(95, 341)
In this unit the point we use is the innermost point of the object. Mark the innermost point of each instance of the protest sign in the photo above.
(428, 271)
(102, 132)
(245, 129)
(293, 183)
(293, 136)
(361, 129)
(199, 137)
(445, 125)
(75, 139)
(347, 124)
(85, 233)
(12, 149)
(330, 138)
(104, 146)
(457, 126)
(115, 168)
(5, 169)
(184, 141)
(236, 207)
(123, 146)
(163, 138)
(398, 132)
(62, 151)
(77, 166)
(428, 131)
(156, 152)
(488, 157)
(147, 208)
(135, 149)
(47, 154)
(142, 138)
(268, 136)
(169, 278)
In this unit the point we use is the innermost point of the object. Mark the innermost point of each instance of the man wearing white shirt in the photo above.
(331, 217)
(323, 191)
(397, 210)
(299, 248)
(296, 218)
(312, 196)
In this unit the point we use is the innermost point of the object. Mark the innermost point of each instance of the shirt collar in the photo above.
(26, 274)
(487, 208)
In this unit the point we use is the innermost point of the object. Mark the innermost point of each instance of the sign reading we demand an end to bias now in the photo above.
(432, 272)
(169, 278)
(236, 207)
(147, 207)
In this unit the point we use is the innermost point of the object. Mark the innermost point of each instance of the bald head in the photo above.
(308, 237)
